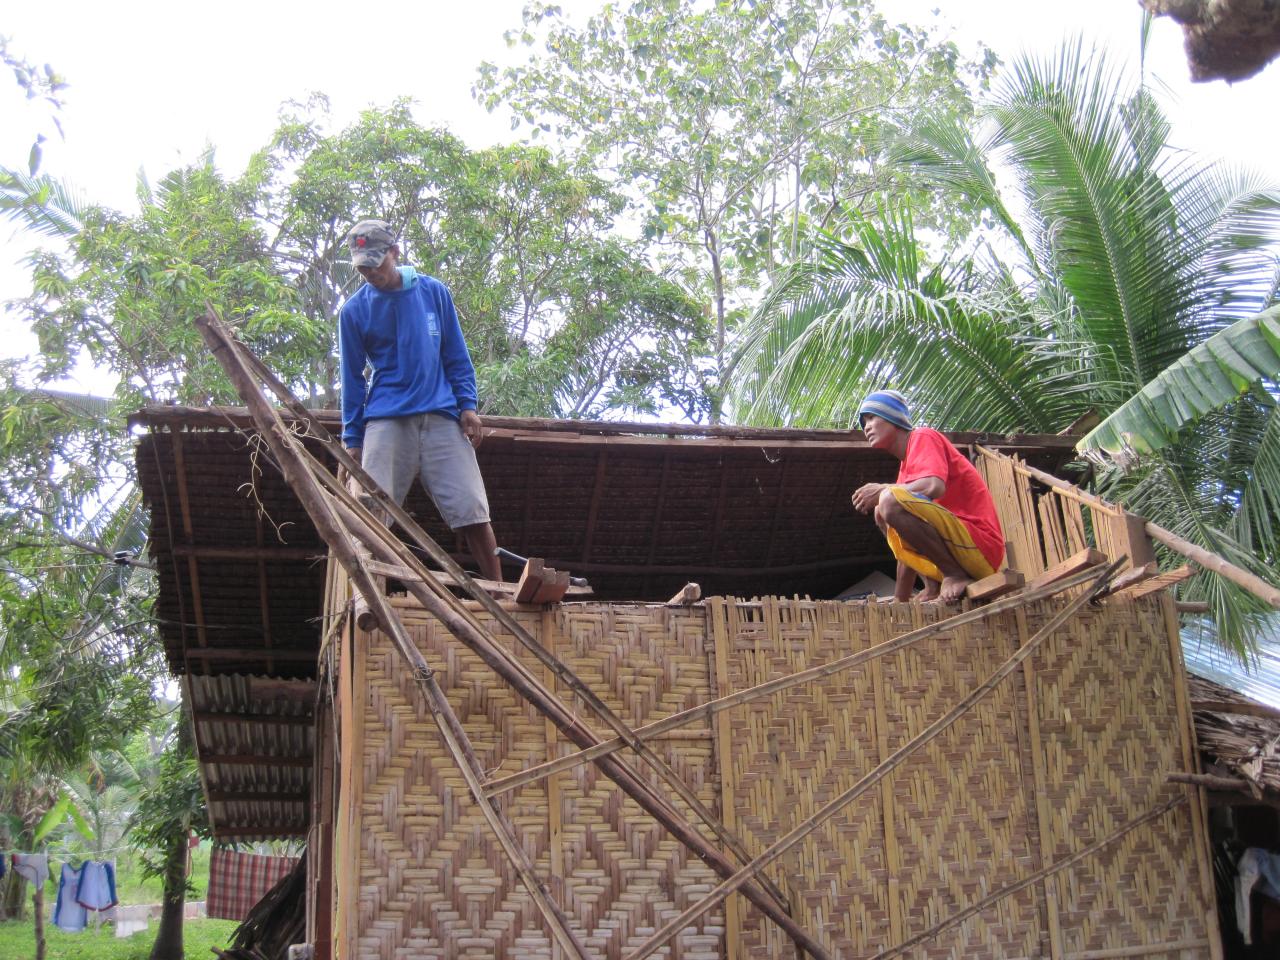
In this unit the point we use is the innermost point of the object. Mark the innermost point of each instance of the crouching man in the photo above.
(939, 517)
(416, 413)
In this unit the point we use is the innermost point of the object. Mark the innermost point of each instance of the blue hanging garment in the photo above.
(69, 915)
(97, 885)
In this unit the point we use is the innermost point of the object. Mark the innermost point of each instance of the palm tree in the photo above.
(1115, 258)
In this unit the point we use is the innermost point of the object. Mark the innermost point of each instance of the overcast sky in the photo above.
(152, 83)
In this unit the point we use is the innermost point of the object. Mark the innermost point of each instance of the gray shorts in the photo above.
(397, 449)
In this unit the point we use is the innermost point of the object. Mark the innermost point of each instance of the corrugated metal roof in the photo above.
(1259, 681)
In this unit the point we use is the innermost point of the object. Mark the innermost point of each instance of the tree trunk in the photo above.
(168, 945)
(37, 904)
(13, 904)
(717, 277)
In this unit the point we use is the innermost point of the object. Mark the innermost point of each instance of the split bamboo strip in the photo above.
(555, 814)
(1190, 760)
(875, 776)
(1028, 881)
(1210, 561)
(487, 602)
(728, 789)
(292, 461)
(285, 446)
(1051, 890)
(893, 857)
(706, 710)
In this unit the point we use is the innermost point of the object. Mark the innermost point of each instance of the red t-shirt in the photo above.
(930, 454)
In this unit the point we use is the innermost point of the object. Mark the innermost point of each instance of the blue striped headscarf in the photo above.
(887, 405)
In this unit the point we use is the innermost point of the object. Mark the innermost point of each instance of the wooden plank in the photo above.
(996, 585)
(1161, 581)
(495, 587)
(193, 569)
(554, 585)
(1074, 564)
(1132, 577)
(530, 580)
(268, 719)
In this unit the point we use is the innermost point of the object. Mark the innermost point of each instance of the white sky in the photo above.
(152, 83)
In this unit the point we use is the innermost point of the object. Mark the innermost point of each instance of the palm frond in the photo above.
(46, 205)
(1205, 378)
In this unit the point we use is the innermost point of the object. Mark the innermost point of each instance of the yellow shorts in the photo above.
(950, 528)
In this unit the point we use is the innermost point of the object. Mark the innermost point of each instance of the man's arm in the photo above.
(351, 356)
(454, 357)
(867, 496)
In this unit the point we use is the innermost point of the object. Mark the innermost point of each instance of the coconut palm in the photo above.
(1114, 258)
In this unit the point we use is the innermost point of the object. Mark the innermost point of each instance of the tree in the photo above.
(739, 124)
(169, 811)
(1127, 257)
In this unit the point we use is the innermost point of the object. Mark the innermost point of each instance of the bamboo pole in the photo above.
(885, 767)
(770, 687)
(292, 463)
(441, 556)
(292, 458)
(1028, 881)
(1205, 558)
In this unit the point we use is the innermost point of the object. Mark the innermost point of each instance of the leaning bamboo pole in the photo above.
(292, 458)
(883, 769)
(1205, 558)
(318, 431)
(674, 721)
(292, 462)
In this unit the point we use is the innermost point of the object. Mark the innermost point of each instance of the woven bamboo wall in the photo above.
(1060, 756)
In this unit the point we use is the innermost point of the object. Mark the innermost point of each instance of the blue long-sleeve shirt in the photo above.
(413, 342)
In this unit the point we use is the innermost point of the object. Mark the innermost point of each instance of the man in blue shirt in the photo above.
(416, 413)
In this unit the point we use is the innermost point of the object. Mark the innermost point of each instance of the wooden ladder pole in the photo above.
(293, 456)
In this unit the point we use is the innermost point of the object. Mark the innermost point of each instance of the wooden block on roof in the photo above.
(554, 585)
(689, 593)
(996, 585)
(530, 581)
(1082, 560)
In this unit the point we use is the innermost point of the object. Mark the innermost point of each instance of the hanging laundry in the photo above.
(237, 881)
(32, 866)
(97, 885)
(69, 915)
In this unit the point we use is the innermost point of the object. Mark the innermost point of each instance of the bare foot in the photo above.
(930, 592)
(953, 588)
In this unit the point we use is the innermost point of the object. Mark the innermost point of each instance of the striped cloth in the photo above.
(237, 881)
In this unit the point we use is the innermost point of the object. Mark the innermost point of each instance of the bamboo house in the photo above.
(702, 754)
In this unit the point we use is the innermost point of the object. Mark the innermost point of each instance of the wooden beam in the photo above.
(503, 588)
(689, 593)
(254, 759)
(530, 581)
(273, 688)
(1191, 606)
(247, 552)
(593, 511)
(996, 585)
(554, 585)
(253, 654)
(1212, 782)
(1133, 577)
(256, 796)
(266, 831)
(193, 570)
(266, 719)
(1086, 558)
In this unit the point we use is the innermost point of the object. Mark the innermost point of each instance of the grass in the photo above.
(17, 941)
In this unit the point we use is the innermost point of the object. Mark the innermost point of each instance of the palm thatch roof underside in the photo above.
(1226, 39)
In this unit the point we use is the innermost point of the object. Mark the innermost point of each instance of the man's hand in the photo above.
(353, 485)
(867, 496)
(470, 423)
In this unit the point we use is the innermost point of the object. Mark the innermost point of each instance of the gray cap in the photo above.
(369, 241)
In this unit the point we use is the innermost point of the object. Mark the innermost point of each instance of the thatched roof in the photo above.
(1225, 39)
(1238, 737)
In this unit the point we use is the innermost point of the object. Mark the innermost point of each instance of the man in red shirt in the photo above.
(939, 517)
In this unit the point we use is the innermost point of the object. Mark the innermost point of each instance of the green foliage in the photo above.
(1127, 259)
(170, 806)
(739, 126)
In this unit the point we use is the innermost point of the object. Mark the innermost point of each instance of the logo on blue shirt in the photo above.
(433, 327)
